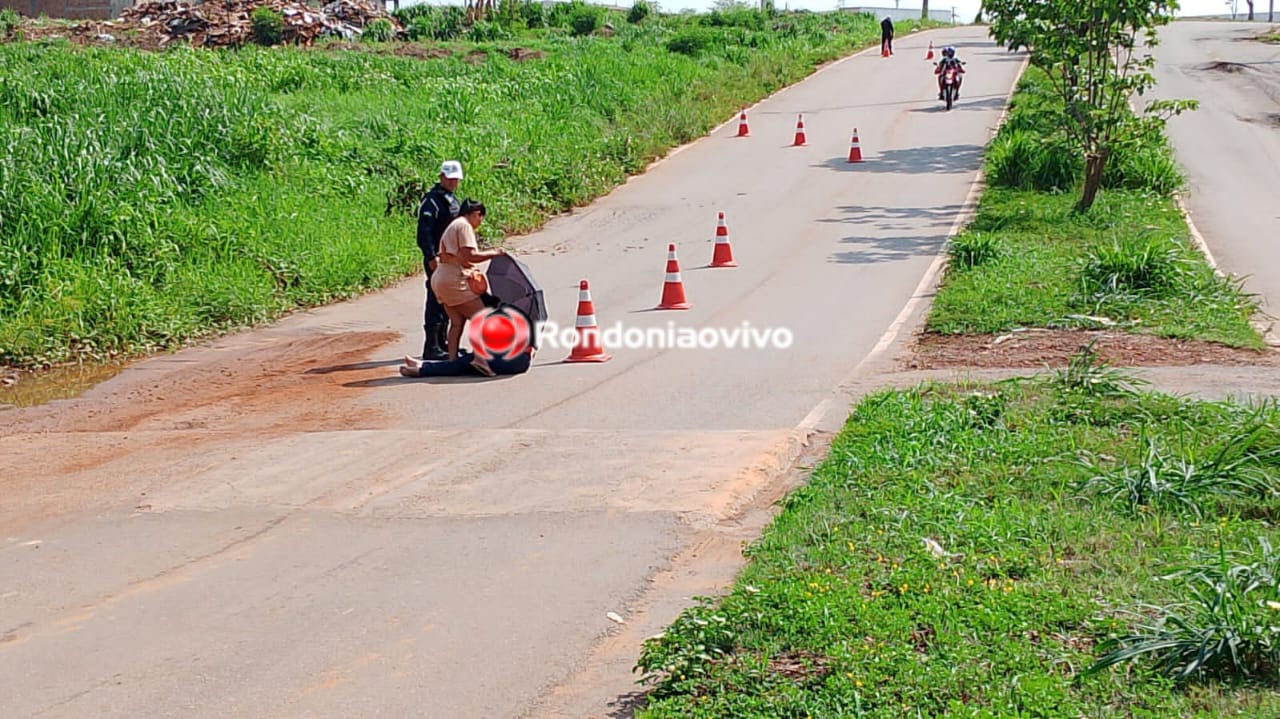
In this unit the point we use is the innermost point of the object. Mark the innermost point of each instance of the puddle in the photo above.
(1270, 119)
(35, 388)
(1224, 66)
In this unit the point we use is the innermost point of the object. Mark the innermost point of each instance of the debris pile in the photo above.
(229, 23)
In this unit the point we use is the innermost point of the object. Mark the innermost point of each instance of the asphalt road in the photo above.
(1230, 145)
(278, 525)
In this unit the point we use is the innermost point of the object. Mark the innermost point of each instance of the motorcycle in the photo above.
(950, 85)
(950, 80)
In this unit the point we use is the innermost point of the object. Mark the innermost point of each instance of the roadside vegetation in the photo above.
(151, 198)
(1062, 545)
(1059, 546)
(1078, 226)
(1031, 258)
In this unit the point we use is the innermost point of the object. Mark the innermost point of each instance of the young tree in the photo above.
(1093, 50)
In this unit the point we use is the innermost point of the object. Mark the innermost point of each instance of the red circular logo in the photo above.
(502, 333)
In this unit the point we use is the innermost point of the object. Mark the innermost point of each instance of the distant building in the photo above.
(896, 13)
(68, 9)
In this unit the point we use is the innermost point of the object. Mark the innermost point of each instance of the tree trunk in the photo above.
(924, 10)
(1094, 164)
(1250, 3)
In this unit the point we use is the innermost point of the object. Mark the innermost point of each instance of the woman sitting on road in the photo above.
(468, 364)
(460, 257)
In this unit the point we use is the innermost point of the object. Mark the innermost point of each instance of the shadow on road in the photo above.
(964, 43)
(872, 250)
(1008, 57)
(399, 380)
(626, 705)
(897, 218)
(988, 102)
(916, 160)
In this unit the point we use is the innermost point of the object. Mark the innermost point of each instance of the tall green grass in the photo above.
(1032, 152)
(1029, 259)
(150, 198)
(953, 556)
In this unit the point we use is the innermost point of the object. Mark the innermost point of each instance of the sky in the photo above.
(964, 9)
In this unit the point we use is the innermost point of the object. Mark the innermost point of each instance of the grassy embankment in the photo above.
(150, 198)
(973, 551)
(978, 550)
(1029, 260)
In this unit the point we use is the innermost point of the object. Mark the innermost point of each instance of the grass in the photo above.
(1069, 545)
(1029, 259)
(950, 557)
(1271, 36)
(148, 199)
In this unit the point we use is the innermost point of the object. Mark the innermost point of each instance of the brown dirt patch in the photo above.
(519, 54)
(799, 665)
(476, 56)
(283, 387)
(67, 455)
(421, 52)
(1054, 348)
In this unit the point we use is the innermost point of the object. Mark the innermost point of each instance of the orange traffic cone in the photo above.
(588, 347)
(799, 131)
(855, 150)
(930, 55)
(884, 49)
(743, 130)
(673, 288)
(723, 256)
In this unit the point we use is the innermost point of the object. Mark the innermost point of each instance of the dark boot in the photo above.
(442, 338)
(436, 346)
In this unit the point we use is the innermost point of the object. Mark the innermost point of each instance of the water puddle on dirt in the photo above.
(28, 389)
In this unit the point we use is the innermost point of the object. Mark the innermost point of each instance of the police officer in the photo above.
(439, 207)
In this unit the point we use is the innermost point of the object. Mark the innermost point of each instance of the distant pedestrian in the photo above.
(439, 207)
(886, 36)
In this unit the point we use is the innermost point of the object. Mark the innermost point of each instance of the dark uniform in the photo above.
(886, 36)
(439, 207)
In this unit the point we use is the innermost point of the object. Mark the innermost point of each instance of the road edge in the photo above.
(820, 417)
(813, 437)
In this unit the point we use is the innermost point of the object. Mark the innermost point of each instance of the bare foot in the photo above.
(482, 365)
(411, 362)
(408, 371)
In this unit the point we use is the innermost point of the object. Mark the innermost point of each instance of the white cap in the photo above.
(451, 169)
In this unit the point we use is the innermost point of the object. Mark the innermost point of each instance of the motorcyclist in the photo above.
(949, 59)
